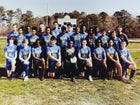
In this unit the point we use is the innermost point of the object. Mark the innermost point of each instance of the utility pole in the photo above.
(47, 22)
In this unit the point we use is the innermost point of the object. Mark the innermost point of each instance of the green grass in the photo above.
(64, 92)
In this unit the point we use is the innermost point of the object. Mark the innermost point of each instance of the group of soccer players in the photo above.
(56, 53)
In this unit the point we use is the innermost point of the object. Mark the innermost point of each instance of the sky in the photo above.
(49, 7)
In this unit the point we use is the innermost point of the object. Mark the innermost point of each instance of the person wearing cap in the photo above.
(11, 55)
(54, 58)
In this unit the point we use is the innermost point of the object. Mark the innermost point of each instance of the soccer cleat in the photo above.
(90, 78)
(133, 80)
(26, 78)
(73, 80)
(23, 74)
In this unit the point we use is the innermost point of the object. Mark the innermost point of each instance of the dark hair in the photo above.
(55, 22)
(63, 28)
(20, 28)
(97, 41)
(70, 41)
(25, 39)
(47, 28)
(34, 28)
(103, 30)
(53, 38)
(69, 24)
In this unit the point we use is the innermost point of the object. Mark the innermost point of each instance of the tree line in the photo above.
(131, 25)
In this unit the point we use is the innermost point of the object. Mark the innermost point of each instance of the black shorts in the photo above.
(110, 65)
(125, 66)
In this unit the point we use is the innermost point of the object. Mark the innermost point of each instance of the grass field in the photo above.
(64, 92)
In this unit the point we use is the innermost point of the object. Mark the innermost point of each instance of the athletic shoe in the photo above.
(23, 74)
(73, 80)
(26, 78)
(133, 80)
(41, 78)
(90, 78)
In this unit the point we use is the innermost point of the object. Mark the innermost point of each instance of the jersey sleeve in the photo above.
(33, 50)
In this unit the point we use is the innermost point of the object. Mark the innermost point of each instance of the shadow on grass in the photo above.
(3, 72)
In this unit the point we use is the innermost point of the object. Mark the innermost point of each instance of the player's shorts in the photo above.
(110, 65)
(52, 66)
(125, 65)
(8, 65)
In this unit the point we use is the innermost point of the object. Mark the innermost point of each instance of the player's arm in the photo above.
(52, 57)
(7, 56)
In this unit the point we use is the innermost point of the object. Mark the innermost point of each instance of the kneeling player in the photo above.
(39, 61)
(113, 61)
(84, 55)
(24, 56)
(11, 55)
(126, 60)
(54, 55)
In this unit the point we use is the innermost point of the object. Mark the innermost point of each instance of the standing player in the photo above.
(46, 37)
(24, 56)
(55, 31)
(116, 40)
(84, 55)
(54, 55)
(77, 38)
(20, 37)
(122, 35)
(11, 55)
(104, 38)
(14, 32)
(126, 61)
(70, 29)
(34, 37)
(83, 31)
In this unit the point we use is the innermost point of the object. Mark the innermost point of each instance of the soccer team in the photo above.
(58, 53)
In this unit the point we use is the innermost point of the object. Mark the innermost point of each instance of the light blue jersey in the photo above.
(117, 42)
(84, 35)
(46, 39)
(24, 52)
(76, 40)
(104, 40)
(55, 32)
(63, 39)
(20, 39)
(13, 34)
(28, 35)
(32, 40)
(125, 53)
(54, 50)
(37, 51)
(111, 51)
(99, 52)
(84, 52)
(11, 51)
